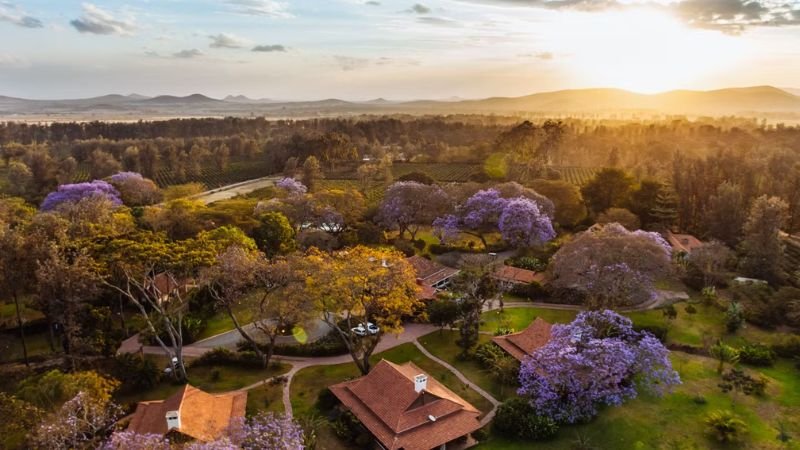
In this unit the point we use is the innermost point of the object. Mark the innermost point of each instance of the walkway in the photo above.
(495, 403)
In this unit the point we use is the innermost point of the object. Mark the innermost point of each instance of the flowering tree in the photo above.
(266, 431)
(129, 440)
(134, 189)
(292, 186)
(598, 359)
(72, 193)
(523, 225)
(77, 423)
(269, 431)
(520, 220)
(611, 266)
(408, 204)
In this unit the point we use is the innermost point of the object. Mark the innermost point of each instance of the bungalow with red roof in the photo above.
(682, 244)
(190, 415)
(521, 344)
(404, 408)
(515, 276)
(431, 275)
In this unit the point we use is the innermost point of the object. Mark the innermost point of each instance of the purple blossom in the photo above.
(598, 359)
(292, 186)
(268, 431)
(522, 224)
(407, 204)
(129, 440)
(520, 220)
(73, 193)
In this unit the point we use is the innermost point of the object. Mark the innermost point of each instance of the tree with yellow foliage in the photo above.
(361, 285)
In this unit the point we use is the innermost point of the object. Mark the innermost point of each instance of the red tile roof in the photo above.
(430, 272)
(683, 242)
(521, 344)
(204, 417)
(510, 274)
(388, 405)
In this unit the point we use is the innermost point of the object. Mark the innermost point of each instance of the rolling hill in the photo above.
(743, 101)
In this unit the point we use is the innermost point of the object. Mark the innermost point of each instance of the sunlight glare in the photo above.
(646, 51)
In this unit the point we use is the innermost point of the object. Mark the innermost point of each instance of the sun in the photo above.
(645, 51)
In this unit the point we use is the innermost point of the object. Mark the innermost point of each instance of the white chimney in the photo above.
(420, 382)
(173, 420)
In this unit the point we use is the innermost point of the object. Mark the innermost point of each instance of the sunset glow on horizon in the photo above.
(353, 49)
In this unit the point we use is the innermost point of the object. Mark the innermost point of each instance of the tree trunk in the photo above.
(250, 340)
(21, 329)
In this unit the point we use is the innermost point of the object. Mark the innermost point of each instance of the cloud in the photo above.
(269, 48)
(729, 16)
(187, 54)
(419, 8)
(439, 21)
(12, 14)
(733, 16)
(350, 63)
(225, 40)
(98, 21)
(266, 8)
(547, 56)
(372, 3)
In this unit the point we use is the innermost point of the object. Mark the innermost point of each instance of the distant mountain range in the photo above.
(750, 101)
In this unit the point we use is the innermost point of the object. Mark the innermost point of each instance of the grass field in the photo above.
(267, 397)
(443, 345)
(676, 420)
(519, 318)
(216, 378)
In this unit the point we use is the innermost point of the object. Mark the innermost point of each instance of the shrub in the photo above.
(223, 356)
(439, 249)
(699, 400)
(480, 434)
(528, 263)
(419, 244)
(659, 331)
(326, 401)
(756, 355)
(328, 345)
(517, 419)
(725, 426)
(531, 291)
(405, 247)
(487, 353)
(135, 372)
(690, 309)
(787, 347)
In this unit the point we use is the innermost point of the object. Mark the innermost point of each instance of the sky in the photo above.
(398, 50)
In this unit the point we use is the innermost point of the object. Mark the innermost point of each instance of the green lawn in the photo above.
(676, 421)
(519, 318)
(229, 378)
(443, 346)
(12, 348)
(309, 383)
(267, 397)
(221, 321)
(8, 314)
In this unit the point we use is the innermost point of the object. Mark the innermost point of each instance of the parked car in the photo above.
(362, 330)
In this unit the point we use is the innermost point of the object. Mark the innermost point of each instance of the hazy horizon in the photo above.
(398, 50)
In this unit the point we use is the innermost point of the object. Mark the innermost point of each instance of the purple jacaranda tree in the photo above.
(407, 205)
(265, 431)
(78, 423)
(611, 266)
(73, 193)
(292, 186)
(522, 224)
(129, 440)
(520, 219)
(597, 360)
